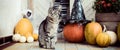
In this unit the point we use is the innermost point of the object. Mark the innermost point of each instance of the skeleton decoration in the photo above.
(27, 14)
(48, 28)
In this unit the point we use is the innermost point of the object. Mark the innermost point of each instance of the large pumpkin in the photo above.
(118, 31)
(73, 32)
(103, 39)
(91, 31)
(24, 27)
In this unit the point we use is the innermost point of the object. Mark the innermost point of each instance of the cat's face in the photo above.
(53, 14)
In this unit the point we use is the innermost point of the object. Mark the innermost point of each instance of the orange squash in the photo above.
(35, 36)
(24, 27)
(73, 32)
(103, 39)
(91, 31)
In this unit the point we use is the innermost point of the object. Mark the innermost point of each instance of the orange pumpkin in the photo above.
(23, 27)
(91, 31)
(35, 36)
(73, 32)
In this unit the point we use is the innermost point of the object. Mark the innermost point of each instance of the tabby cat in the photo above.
(48, 28)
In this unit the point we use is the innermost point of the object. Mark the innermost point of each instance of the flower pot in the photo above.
(111, 20)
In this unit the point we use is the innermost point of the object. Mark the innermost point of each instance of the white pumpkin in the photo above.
(30, 39)
(113, 37)
(22, 39)
(16, 37)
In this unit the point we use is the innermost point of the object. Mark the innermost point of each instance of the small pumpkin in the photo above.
(113, 37)
(16, 37)
(30, 39)
(24, 26)
(35, 36)
(103, 39)
(22, 39)
(73, 32)
(92, 29)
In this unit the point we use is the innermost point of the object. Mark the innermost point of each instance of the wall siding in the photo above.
(40, 8)
(9, 16)
(10, 13)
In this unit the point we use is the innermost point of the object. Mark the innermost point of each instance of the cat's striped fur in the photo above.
(48, 28)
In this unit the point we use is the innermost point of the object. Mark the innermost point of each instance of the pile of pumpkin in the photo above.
(93, 33)
(24, 31)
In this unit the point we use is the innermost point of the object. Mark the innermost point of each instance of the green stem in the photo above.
(93, 19)
(105, 29)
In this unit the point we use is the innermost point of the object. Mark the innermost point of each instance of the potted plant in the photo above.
(107, 6)
(107, 13)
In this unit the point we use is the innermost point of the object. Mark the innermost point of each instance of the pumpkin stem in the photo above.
(105, 29)
(93, 19)
(24, 16)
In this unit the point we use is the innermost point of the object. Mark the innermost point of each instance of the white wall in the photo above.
(40, 8)
(9, 15)
(24, 5)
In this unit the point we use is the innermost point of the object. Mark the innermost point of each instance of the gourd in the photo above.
(113, 37)
(22, 39)
(73, 32)
(24, 27)
(16, 37)
(103, 39)
(30, 39)
(35, 36)
(92, 29)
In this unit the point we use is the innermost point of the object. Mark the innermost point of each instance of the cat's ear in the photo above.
(50, 11)
(59, 19)
(59, 7)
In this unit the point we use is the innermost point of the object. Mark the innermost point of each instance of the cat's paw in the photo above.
(52, 47)
(45, 47)
(41, 46)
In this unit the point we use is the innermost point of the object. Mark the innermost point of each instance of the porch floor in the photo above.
(61, 45)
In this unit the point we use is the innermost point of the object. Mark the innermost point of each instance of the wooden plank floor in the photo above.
(61, 45)
(25, 46)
